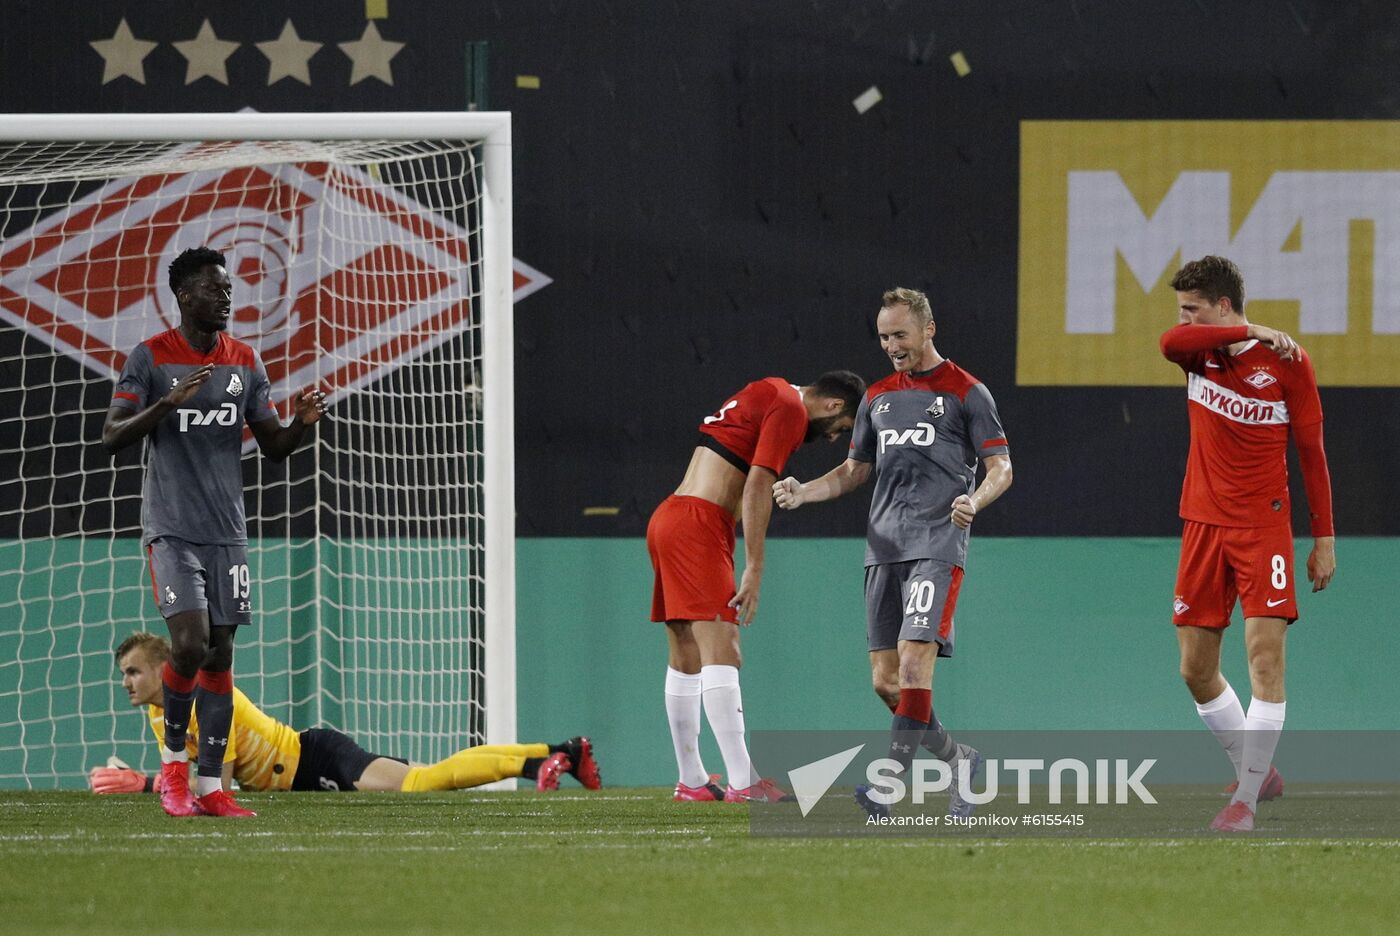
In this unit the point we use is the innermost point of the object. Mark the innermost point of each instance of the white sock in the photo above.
(206, 785)
(168, 756)
(724, 709)
(1224, 716)
(683, 712)
(1263, 725)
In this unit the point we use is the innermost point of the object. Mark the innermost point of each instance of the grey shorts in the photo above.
(911, 600)
(196, 577)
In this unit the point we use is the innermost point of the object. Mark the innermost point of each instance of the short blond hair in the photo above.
(156, 647)
(915, 300)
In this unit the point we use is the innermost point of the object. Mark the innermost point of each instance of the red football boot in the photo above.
(175, 796)
(705, 793)
(548, 776)
(585, 766)
(764, 791)
(1237, 817)
(220, 803)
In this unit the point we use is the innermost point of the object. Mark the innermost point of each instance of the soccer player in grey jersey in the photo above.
(188, 392)
(921, 432)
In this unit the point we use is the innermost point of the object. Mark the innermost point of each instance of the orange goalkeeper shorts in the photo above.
(691, 542)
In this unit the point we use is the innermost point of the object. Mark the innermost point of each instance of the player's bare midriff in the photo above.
(710, 477)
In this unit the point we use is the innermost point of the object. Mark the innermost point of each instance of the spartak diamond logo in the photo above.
(337, 278)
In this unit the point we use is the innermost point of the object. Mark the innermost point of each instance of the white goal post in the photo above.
(372, 254)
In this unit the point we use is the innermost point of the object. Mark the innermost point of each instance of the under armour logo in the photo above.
(880, 408)
(218, 742)
(920, 621)
(902, 748)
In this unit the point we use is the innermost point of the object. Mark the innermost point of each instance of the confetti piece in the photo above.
(960, 64)
(376, 9)
(528, 81)
(601, 511)
(868, 99)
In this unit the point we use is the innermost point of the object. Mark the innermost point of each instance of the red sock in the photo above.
(183, 685)
(916, 704)
(215, 682)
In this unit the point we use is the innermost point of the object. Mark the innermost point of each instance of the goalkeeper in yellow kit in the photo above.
(264, 754)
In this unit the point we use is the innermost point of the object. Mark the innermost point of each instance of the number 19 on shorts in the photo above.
(240, 580)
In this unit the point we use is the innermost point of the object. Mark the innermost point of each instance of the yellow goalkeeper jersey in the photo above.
(264, 752)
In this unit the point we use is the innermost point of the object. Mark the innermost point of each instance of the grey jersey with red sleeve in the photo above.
(925, 433)
(194, 473)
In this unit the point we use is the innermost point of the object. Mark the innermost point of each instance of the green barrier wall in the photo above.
(66, 603)
(1052, 633)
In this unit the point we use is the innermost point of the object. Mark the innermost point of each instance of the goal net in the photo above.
(370, 254)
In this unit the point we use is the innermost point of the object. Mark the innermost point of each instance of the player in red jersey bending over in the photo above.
(1247, 386)
(921, 432)
(742, 449)
(187, 392)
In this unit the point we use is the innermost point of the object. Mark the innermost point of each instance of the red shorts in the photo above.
(691, 542)
(1218, 563)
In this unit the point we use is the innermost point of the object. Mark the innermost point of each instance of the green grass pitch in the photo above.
(630, 861)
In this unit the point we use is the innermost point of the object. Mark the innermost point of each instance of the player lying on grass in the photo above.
(264, 754)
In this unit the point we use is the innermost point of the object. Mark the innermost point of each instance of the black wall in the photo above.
(712, 208)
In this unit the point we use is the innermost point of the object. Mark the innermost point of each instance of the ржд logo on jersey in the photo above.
(226, 415)
(921, 434)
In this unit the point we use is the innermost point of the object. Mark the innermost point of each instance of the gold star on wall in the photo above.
(288, 56)
(206, 54)
(371, 55)
(123, 55)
